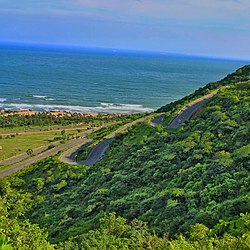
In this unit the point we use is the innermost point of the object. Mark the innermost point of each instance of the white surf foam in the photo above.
(3, 99)
(106, 108)
(124, 107)
(39, 96)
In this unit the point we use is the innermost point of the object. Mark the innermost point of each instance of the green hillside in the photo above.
(170, 179)
(239, 75)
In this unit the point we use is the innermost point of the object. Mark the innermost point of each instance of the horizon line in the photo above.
(74, 47)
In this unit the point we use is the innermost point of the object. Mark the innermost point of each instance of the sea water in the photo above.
(109, 81)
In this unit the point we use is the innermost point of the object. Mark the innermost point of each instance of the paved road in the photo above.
(36, 151)
(189, 111)
(158, 120)
(70, 155)
(99, 150)
(38, 131)
(69, 144)
(21, 157)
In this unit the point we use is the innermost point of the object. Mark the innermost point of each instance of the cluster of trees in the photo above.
(176, 181)
(43, 119)
(171, 179)
(17, 232)
(113, 232)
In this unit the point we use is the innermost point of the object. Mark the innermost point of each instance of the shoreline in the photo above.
(55, 113)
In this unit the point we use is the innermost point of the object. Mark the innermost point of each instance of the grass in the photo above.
(138, 134)
(37, 129)
(18, 144)
(83, 154)
(109, 132)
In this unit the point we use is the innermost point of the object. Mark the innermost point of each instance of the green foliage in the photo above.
(241, 75)
(16, 232)
(45, 119)
(29, 152)
(196, 174)
(4, 244)
(170, 179)
(115, 233)
(138, 134)
(236, 236)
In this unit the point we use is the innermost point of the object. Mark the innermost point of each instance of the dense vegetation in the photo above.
(240, 75)
(113, 232)
(190, 179)
(42, 119)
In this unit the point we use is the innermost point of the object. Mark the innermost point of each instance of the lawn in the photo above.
(38, 129)
(18, 144)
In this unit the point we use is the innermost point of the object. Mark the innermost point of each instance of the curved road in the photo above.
(98, 151)
(70, 155)
(189, 111)
(158, 120)
(68, 144)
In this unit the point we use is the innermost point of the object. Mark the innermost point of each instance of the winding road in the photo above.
(158, 120)
(26, 162)
(97, 152)
(189, 111)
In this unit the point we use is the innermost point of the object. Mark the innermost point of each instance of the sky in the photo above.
(218, 28)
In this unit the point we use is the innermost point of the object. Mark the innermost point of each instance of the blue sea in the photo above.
(96, 80)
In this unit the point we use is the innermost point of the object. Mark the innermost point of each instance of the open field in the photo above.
(17, 144)
(4, 131)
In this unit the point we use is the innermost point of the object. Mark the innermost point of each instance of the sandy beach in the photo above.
(55, 113)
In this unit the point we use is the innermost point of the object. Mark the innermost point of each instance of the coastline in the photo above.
(55, 113)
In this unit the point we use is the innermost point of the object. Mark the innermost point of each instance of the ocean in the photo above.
(101, 81)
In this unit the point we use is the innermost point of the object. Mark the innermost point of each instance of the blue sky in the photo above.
(201, 27)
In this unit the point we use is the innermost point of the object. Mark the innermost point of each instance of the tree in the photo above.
(29, 152)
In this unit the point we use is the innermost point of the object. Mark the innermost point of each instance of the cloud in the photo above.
(221, 15)
(118, 23)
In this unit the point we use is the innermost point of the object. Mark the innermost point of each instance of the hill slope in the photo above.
(168, 178)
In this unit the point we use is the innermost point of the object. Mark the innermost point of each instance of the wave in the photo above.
(121, 105)
(3, 99)
(44, 97)
(104, 108)
(40, 96)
